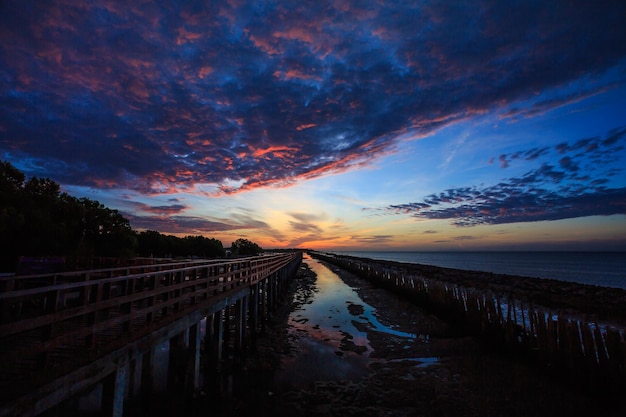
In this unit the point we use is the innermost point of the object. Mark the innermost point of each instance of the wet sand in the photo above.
(439, 374)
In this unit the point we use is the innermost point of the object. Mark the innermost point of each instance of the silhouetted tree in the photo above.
(11, 214)
(245, 247)
(36, 219)
(203, 247)
(105, 231)
(153, 243)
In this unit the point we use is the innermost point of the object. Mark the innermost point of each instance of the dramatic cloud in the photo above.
(305, 227)
(372, 241)
(546, 192)
(543, 106)
(173, 95)
(305, 223)
(180, 224)
(529, 155)
(164, 222)
(159, 210)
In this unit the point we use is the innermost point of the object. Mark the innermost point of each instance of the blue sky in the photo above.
(470, 125)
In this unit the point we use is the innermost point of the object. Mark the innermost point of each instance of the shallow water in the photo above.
(324, 331)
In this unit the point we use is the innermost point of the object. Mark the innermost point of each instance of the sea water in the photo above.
(606, 269)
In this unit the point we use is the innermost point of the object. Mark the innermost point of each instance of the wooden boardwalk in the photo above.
(52, 325)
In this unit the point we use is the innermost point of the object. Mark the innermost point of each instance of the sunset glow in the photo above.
(344, 125)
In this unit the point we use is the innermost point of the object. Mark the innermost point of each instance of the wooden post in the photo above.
(262, 287)
(245, 301)
(616, 348)
(553, 338)
(575, 353)
(209, 333)
(542, 332)
(603, 359)
(240, 323)
(132, 368)
(509, 328)
(226, 329)
(532, 335)
(113, 389)
(176, 364)
(218, 337)
(272, 291)
(192, 380)
(254, 314)
(147, 374)
(212, 350)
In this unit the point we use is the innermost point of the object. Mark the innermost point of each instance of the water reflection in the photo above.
(422, 362)
(329, 336)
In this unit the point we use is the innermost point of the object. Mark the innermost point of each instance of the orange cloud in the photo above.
(204, 71)
(270, 47)
(295, 74)
(280, 151)
(185, 36)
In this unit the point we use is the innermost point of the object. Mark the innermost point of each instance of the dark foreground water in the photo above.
(606, 269)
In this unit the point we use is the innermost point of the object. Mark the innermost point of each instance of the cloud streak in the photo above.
(577, 187)
(161, 97)
(181, 224)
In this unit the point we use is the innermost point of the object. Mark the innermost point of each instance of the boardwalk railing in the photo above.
(590, 352)
(53, 323)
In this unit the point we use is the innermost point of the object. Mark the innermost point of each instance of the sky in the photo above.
(332, 125)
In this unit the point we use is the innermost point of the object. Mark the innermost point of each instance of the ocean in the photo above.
(605, 269)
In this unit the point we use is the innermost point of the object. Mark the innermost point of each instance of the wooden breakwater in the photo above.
(571, 342)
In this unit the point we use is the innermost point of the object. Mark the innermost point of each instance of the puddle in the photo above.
(421, 362)
(328, 341)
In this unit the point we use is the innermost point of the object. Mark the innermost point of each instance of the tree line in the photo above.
(37, 219)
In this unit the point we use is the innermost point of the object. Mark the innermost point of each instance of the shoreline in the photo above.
(469, 378)
(602, 303)
(602, 268)
(465, 380)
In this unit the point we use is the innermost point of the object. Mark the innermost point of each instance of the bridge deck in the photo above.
(52, 324)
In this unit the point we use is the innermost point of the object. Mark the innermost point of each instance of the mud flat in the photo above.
(439, 373)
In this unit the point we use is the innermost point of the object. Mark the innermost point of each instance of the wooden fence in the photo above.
(590, 353)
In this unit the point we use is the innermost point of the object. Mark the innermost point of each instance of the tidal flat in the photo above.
(421, 368)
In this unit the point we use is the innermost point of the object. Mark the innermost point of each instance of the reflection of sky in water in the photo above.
(379, 327)
(330, 306)
(321, 325)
